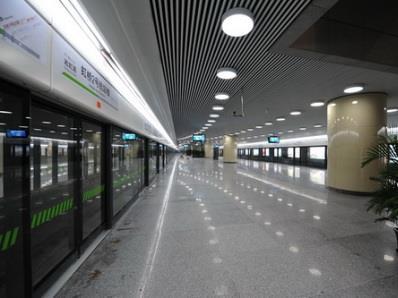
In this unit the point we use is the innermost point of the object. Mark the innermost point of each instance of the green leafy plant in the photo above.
(385, 201)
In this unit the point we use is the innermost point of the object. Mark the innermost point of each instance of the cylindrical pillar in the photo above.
(208, 150)
(353, 125)
(229, 151)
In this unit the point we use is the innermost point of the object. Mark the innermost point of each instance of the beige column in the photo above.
(353, 125)
(229, 150)
(208, 150)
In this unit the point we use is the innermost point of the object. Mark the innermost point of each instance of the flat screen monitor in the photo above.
(17, 133)
(198, 138)
(273, 139)
(126, 136)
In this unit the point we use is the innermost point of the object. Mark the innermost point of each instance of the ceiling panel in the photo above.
(273, 81)
(193, 47)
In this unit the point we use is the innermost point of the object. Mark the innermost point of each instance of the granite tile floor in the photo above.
(251, 229)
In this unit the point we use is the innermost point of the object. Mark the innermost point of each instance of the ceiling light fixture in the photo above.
(317, 125)
(268, 123)
(208, 124)
(295, 113)
(354, 102)
(317, 104)
(250, 129)
(214, 115)
(211, 121)
(392, 110)
(237, 22)
(221, 96)
(259, 126)
(280, 119)
(354, 88)
(217, 108)
(302, 128)
(226, 73)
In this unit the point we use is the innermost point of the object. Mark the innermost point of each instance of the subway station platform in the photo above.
(252, 229)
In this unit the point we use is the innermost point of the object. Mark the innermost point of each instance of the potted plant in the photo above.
(385, 200)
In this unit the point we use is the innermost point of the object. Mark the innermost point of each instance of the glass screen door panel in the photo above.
(14, 118)
(92, 177)
(52, 163)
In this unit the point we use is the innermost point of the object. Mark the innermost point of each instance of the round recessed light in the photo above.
(354, 102)
(243, 131)
(295, 113)
(217, 108)
(317, 104)
(214, 115)
(354, 88)
(280, 119)
(268, 123)
(221, 96)
(290, 131)
(302, 128)
(237, 22)
(259, 126)
(208, 124)
(317, 125)
(211, 121)
(250, 129)
(392, 110)
(226, 73)
(205, 127)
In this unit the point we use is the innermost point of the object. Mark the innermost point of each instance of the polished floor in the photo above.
(251, 229)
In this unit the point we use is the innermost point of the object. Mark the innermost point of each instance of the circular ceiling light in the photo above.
(302, 128)
(211, 121)
(354, 88)
(259, 126)
(354, 102)
(208, 124)
(268, 123)
(205, 127)
(226, 73)
(214, 115)
(392, 110)
(295, 113)
(317, 125)
(237, 22)
(317, 104)
(221, 96)
(243, 131)
(217, 108)
(250, 129)
(280, 119)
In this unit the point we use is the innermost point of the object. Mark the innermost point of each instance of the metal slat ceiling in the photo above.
(193, 46)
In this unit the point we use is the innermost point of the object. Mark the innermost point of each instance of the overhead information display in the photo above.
(198, 138)
(273, 139)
